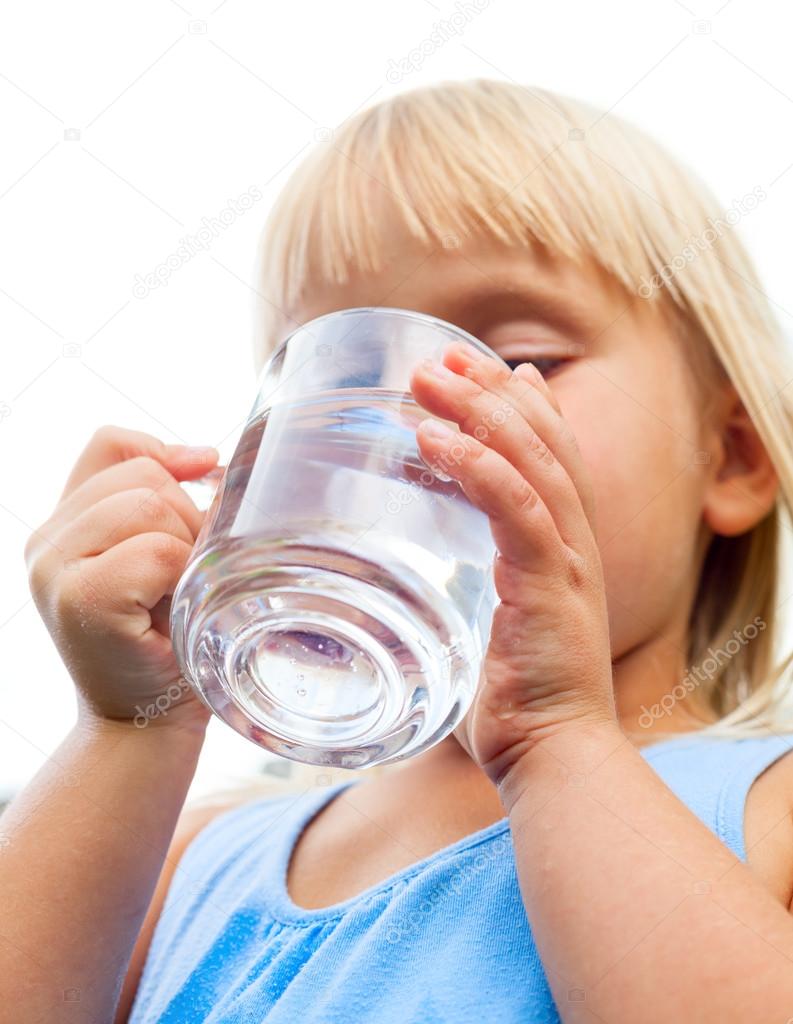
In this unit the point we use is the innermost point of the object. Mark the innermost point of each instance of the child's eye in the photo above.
(546, 366)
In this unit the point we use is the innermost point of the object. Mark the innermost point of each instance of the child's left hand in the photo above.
(548, 664)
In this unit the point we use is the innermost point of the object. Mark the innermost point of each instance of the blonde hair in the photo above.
(526, 165)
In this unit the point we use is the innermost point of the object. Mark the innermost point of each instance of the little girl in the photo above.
(608, 836)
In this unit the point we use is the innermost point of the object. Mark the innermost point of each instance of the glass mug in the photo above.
(338, 601)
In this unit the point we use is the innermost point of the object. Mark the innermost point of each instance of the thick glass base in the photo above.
(322, 656)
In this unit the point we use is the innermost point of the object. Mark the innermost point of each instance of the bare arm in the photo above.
(87, 838)
(85, 844)
(639, 912)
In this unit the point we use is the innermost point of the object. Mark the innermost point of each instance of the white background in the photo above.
(124, 127)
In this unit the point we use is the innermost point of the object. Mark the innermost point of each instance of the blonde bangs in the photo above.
(477, 158)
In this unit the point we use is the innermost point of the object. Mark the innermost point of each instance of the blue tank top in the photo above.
(446, 939)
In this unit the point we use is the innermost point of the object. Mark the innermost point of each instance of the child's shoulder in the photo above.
(231, 811)
(768, 826)
(741, 786)
(195, 818)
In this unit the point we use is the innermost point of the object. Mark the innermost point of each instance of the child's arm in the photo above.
(85, 842)
(639, 913)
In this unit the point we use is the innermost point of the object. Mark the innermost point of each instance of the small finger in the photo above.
(530, 373)
(137, 573)
(483, 389)
(495, 410)
(118, 517)
(522, 527)
(137, 472)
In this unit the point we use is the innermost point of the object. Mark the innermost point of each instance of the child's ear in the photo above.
(743, 483)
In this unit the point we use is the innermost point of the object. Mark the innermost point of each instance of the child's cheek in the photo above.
(646, 505)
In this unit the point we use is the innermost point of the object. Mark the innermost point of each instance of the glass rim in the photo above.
(397, 312)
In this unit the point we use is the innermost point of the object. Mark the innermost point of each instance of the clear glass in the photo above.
(339, 598)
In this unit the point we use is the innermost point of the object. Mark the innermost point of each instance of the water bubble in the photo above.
(301, 692)
(300, 676)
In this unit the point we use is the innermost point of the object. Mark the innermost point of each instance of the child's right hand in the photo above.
(102, 569)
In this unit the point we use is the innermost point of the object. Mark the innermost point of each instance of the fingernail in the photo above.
(474, 353)
(438, 369)
(200, 451)
(528, 371)
(434, 428)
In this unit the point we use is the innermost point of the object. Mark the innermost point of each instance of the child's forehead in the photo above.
(473, 279)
